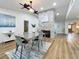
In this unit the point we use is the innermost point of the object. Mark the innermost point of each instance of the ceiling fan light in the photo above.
(31, 2)
(54, 4)
(31, 10)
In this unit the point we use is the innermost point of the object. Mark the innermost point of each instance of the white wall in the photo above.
(66, 27)
(32, 20)
(60, 27)
(20, 17)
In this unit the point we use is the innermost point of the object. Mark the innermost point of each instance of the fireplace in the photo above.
(46, 33)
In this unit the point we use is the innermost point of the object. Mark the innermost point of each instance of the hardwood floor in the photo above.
(7, 46)
(3, 56)
(62, 49)
(59, 49)
(4, 47)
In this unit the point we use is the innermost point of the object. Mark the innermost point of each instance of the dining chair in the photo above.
(20, 41)
(35, 39)
(38, 39)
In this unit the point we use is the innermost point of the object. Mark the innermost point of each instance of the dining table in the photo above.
(27, 37)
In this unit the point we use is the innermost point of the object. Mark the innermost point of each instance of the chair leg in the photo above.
(16, 48)
(21, 52)
(41, 43)
(32, 44)
(24, 46)
(38, 45)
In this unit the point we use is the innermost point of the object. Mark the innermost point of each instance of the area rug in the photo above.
(34, 53)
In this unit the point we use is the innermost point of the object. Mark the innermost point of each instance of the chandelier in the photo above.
(27, 4)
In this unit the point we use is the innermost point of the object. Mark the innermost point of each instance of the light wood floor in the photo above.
(59, 49)
(6, 47)
(62, 49)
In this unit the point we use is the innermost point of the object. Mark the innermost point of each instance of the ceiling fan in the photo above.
(30, 8)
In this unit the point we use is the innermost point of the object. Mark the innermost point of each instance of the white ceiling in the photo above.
(74, 13)
(61, 7)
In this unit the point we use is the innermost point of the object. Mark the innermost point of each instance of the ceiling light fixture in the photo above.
(78, 16)
(41, 8)
(54, 4)
(28, 6)
(31, 10)
(58, 14)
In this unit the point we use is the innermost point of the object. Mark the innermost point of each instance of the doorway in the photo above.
(70, 28)
(74, 27)
(25, 26)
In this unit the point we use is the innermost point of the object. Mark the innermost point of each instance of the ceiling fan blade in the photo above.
(46, 10)
(22, 8)
(21, 4)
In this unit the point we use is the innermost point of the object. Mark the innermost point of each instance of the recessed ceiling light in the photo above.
(78, 16)
(58, 14)
(54, 4)
(41, 8)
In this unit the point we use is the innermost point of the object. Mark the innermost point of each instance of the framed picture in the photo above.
(7, 20)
